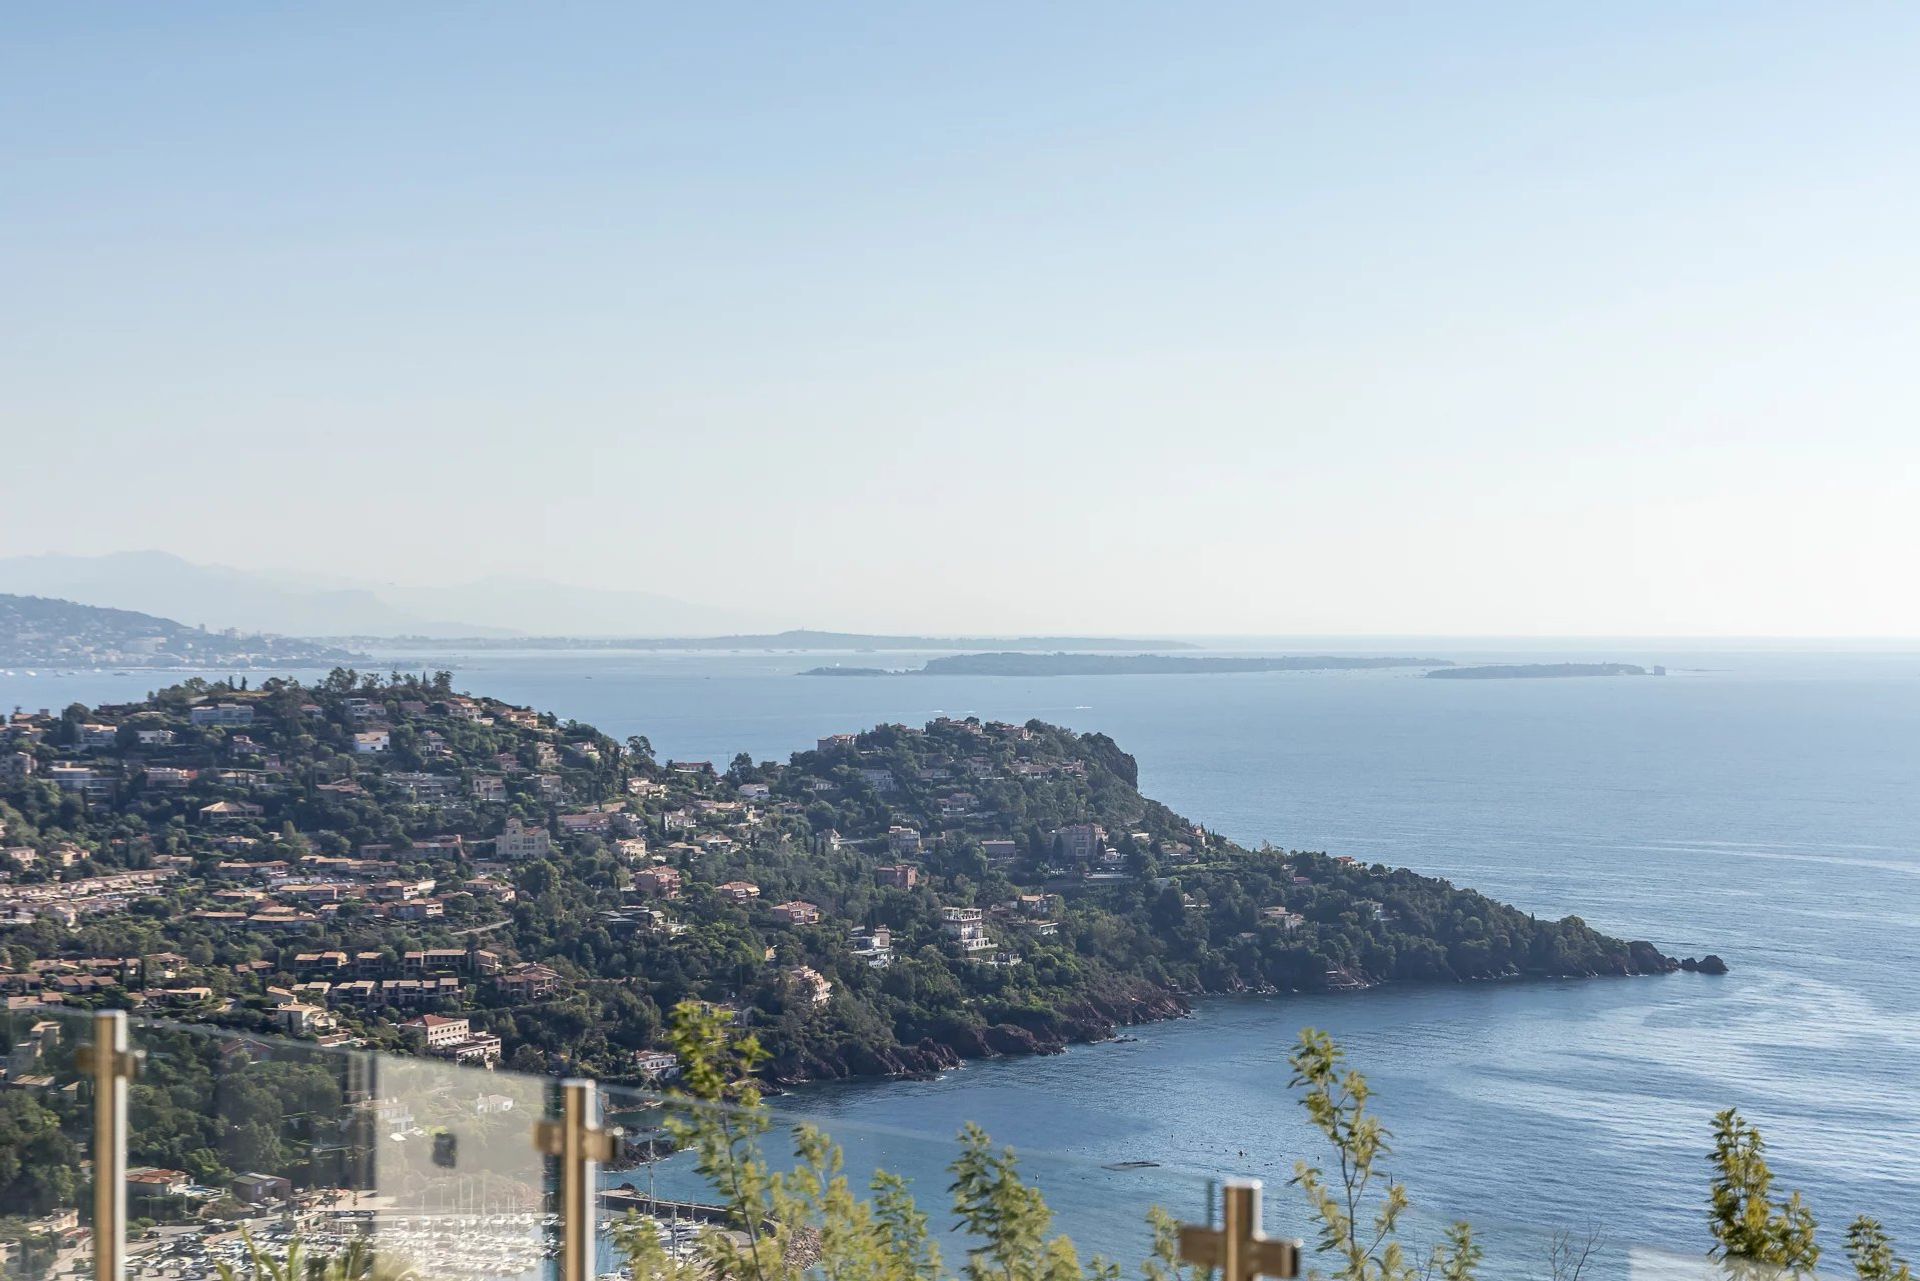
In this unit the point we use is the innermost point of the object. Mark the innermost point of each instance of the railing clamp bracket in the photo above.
(1238, 1250)
(122, 1065)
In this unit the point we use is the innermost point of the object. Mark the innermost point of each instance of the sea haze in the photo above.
(1758, 804)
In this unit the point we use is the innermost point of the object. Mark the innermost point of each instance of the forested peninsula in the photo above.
(339, 861)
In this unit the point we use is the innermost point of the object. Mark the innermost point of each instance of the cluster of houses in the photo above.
(294, 897)
(99, 776)
(967, 927)
(27, 1063)
(666, 826)
(452, 1037)
(69, 901)
(327, 983)
(50, 981)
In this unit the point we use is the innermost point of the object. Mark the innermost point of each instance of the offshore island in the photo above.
(386, 862)
(1544, 671)
(791, 641)
(1066, 664)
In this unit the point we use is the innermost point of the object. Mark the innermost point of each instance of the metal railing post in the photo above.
(580, 1146)
(1238, 1249)
(110, 1064)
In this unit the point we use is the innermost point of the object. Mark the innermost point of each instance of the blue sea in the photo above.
(1759, 803)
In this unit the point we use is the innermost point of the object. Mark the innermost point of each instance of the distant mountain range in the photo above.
(491, 612)
(294, 604)
(38, 632)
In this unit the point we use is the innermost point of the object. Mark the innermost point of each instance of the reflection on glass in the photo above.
(270, 1159)
(45, 1116)
(257, 1153)
(744, 1191)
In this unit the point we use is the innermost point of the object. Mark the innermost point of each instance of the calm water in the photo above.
(1758, 805)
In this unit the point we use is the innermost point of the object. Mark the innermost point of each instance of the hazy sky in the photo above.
(1183, 318)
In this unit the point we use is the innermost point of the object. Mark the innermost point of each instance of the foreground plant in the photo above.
(1870, 1251)
(357, 1262)
(809, 1220)
(1754, 1236)
(1366, 1241)
(1750, 1233)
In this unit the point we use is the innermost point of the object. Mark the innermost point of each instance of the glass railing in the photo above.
(1587, 1250)
(252, 1151)
(778, 1181)
(46, 1141)
(251, 1157)
(274, 1159)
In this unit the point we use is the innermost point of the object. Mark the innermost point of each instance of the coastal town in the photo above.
(238, 879)
(37, 631)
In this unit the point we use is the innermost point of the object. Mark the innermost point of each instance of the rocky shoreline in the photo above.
(1084, 1022)
(1096, 1019)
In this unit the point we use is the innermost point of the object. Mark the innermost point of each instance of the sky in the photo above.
(1267, 318)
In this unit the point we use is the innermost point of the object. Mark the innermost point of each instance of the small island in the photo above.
(1536, 671)
(792, 640)
(1066, 664)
